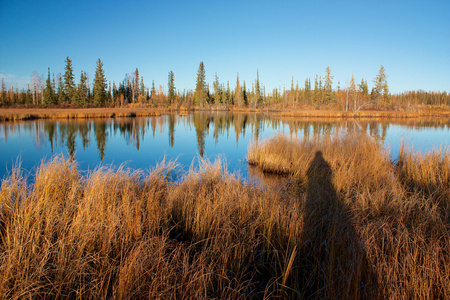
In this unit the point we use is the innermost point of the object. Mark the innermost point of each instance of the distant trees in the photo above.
(100, 85)
(61, 89)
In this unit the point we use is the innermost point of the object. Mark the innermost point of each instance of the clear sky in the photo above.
(411, 39)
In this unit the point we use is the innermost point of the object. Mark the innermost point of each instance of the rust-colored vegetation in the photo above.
(348, 223)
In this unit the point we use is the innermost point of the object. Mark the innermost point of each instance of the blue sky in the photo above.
(411, 39)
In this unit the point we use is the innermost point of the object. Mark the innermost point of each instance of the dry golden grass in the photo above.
(142, 110)
(348, 224)
(383, 227)
(16, 114)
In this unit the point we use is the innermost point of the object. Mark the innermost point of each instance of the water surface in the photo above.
(141, 143)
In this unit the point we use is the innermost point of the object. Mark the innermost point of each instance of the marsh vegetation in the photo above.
(346, 223)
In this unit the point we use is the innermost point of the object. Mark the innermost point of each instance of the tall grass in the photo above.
(347, 224)
(377, 229)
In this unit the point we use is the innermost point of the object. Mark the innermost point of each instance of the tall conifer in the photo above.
(171, 91)
(49, 93)
(200, 95)
(100, 85)
(69, 83)
(238, 95)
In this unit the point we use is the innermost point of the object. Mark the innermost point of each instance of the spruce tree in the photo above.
(327, 87)
(61, 93)
(69, 83)
(307, 90)
(135, 85)
(351, 92)
(153, 93)
(100, 85)
(200, 95)
(49, 94)
(238, 95)
(229, 94)
(316, 96)
(171, 91)
(380, 90)
(223, 94)
(245, 94)
(258, 88)
(55, 94)
(142, 87)
(3, 93)
(217, 90)
(82, 90)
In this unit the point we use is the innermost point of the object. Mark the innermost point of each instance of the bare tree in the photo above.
(36, 86)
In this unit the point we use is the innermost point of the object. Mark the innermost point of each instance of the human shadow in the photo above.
(334, 263)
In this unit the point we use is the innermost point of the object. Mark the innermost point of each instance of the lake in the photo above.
(141, 143)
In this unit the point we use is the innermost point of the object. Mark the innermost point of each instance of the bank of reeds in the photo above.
(373, 228)
(347, 224)
(19, 114)
(140, 110)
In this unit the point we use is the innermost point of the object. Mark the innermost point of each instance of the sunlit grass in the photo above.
(345, 223)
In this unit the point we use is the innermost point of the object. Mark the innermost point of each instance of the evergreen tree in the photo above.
(3, 93)
(69, 83)
(238, 95)
(55, 94)
(153, 93)
(292, 92)
(307, 90)
(351, 93)
(316, 90)
(380, 90)
(100, 85)
(171, 91)
(223, 94)
(258, 88)
(82, 90)
(142, 88)
(49, 94)
(229, 96)
(61, 93)
(110, 94)
(135, 85)
(327, 87)
(201, 93)
(244, 94)
(217, 90)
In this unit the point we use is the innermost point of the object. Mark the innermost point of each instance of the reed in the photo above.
(344, 223)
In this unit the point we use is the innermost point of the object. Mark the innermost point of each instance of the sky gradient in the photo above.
(411, 39)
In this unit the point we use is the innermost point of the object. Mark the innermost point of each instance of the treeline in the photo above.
(61, 90)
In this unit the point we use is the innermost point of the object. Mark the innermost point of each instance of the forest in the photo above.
(317, 93)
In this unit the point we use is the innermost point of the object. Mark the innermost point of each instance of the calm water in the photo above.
(140, 143)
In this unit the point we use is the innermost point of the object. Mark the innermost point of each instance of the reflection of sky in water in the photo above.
(420, 139)
(141, 143)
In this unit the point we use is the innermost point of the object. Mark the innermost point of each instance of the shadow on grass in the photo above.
(335, 261)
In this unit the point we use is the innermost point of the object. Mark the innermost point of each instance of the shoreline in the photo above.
(20, 114)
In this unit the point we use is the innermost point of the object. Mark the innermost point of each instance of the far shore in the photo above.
(25, 113)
